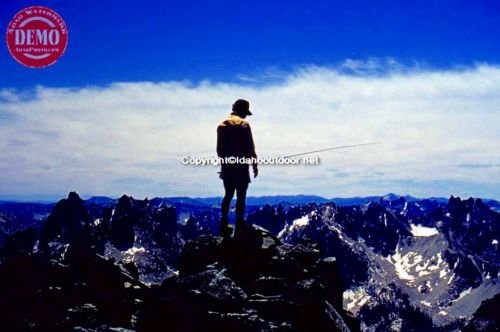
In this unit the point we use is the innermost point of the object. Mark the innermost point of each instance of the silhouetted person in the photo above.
(234, 139)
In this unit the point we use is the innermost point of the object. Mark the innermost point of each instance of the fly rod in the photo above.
(329, 149)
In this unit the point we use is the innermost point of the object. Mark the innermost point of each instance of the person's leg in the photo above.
(229, 189)
(241, 196)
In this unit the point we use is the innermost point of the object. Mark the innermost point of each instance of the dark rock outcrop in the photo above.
(87, 293)
(486, 317)
(69, 229)
(270, 217)
(251, 282)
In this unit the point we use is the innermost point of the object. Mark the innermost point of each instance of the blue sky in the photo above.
(140, 85)
(217, 40)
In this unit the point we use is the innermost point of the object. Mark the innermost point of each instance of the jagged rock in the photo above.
(327, 270)
(249, 253)
(86, 315)
(273, 308)
(145, 236)
(247, 321)
(44, 295)
(214, 288)
(164, 221)
(302, 254)
(121, 233)
(269, 285)
(197, 254)
(69, 230)
(269, 217)
(248, 282)
(191, 229)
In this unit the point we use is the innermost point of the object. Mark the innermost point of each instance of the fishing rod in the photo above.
(329, 149)
(203, 161)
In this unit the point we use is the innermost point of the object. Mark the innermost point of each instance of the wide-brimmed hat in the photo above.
(242, 106)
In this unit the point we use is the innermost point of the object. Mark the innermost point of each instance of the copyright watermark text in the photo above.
(216, 161)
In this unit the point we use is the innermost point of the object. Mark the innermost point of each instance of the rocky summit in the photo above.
(389, 263)
(78, 273)
(251, 282)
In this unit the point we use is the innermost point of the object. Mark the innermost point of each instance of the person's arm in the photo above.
(252, 152)
(220, 141)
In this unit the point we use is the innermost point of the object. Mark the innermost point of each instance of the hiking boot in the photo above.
(225, 230)
(240, 228)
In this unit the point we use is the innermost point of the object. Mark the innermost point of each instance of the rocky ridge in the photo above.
(81, 272)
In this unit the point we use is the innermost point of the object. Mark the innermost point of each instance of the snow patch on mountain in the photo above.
(404, 263)
(129, 256)
(354, 299)
(301, 221)
(426, 303)
(296, 224)
(421, 231)
(462, 294)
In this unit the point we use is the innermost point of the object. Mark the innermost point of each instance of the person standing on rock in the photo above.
(235, 142)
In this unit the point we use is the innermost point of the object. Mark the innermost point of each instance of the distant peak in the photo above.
(124, 198)
(391, 197)
(73, 196)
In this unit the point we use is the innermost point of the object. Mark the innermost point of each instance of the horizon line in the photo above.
(49, 199)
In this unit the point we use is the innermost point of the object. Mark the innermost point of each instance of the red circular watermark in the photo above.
(37, 37)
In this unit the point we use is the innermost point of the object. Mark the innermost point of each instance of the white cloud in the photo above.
(431, 125)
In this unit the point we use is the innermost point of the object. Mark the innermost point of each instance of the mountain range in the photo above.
(385, 263)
